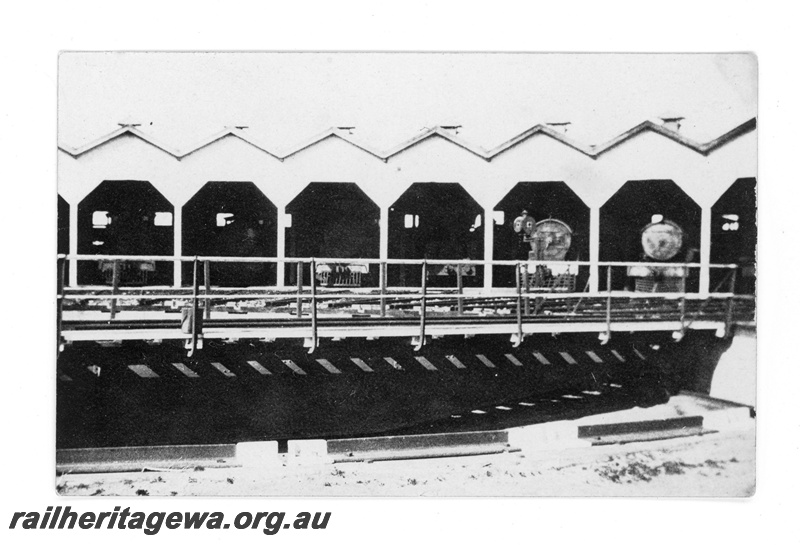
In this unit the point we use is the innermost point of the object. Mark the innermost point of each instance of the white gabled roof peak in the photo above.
(668, 128)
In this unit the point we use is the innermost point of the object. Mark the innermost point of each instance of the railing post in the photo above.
(299, 305)
(460, 289)
(384, 271)
(422, 304)
(207, 287)
(195, 292)
(517, 274)
(527, 283)
(60, 301)
(608, 301)
(114, 287)
(683, 298)
(729, 312)
(313, 309)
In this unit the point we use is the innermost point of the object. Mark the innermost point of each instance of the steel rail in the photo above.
(367, 261)
(300, 331)
(719, 316)
(557, 313)
(481, 295)
(442, 438)
(551, 305)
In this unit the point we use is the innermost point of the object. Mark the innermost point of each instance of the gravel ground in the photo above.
(717, 464)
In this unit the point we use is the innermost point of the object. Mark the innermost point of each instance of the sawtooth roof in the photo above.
(593, 151)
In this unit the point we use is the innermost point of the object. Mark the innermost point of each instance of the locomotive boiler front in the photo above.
(549, 240)
(661, 242)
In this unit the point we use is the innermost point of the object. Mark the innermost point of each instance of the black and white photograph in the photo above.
(421, 272)
(406, 274)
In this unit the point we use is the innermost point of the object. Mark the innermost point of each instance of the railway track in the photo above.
(358, 320)
(243, 372)
(433, 316)
(310, 329)
(550, 423)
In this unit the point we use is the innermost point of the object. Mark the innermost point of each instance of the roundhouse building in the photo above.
(433, 196)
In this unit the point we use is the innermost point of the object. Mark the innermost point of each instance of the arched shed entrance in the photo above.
(125, 217)
(334, 220)
(542, 200)
(733, 235)
(637, 204)
(233, 219)
(435, 221)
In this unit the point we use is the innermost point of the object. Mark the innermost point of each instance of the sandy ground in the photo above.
(735, 374)
(716, 464)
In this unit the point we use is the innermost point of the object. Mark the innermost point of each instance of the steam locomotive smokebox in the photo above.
(188, 318)
(550, 241)
(661, 242)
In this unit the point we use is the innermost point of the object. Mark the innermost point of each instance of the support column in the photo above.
(177, 233)
(705, 249)
(73, 243)
(281, 250)
(488, 245)
(594, 248)
(383, 227)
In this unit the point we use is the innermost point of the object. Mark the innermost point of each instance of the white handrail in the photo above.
(225, 259)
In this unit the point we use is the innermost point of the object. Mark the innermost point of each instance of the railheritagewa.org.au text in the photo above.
(64, 518)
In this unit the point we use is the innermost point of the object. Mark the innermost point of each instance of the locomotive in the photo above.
(662, 242)
(549, 241)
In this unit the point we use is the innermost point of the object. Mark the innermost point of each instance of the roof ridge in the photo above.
(593, 151)
(436, 130)
(224, 133)
(545, 129)
(328, 133)
(125, 129)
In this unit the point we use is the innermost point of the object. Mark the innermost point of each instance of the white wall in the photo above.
(539, 158)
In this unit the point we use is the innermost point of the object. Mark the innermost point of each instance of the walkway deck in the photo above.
(115, 313)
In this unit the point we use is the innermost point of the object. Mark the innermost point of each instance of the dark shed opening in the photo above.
(232, 219)
(62, 240)
(733, 236)
(435, 221)
(125, 217)
(334, 220)
(542, 200)
(637, 204)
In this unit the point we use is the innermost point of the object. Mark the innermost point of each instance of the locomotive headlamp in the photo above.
(525, 224)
